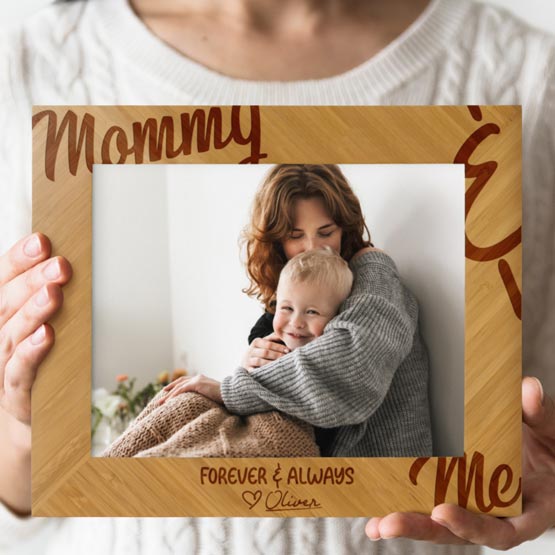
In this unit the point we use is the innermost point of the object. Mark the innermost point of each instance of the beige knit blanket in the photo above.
(190, 425)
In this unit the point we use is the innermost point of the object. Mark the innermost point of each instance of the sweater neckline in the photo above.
(414, 49)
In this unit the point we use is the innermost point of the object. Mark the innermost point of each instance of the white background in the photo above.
(167, 271)
(540, 13)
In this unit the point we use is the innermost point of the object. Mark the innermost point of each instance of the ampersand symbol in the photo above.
(276, 477)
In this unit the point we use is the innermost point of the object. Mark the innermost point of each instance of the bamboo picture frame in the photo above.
(68, 140)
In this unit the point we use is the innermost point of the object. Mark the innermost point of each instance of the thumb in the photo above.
(538, 410)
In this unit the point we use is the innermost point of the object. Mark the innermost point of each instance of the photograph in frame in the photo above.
(483, 143)
(170, 279)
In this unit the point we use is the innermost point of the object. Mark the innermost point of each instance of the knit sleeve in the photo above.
(342, 377)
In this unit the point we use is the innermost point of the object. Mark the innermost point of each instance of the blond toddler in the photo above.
(311, 288)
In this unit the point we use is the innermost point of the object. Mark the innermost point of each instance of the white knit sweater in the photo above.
(98, 52)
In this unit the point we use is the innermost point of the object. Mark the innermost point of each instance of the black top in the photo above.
(265, 326)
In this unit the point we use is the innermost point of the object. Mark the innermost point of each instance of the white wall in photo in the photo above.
(208, 206)
(131, 320)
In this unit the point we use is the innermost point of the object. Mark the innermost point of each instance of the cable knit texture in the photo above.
(190, 425)
(457, 52)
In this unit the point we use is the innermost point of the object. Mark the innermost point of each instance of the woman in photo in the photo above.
(364, 382)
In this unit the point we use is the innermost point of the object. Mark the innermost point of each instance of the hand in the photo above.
(200, 384)
(30, 294)
(452, 524)
(262, 351)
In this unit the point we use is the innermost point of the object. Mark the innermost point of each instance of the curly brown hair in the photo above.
(272, 220)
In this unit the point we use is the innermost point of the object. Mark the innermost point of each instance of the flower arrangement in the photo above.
(121, 406)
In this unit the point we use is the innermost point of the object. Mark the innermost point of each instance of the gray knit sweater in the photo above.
(367, 374)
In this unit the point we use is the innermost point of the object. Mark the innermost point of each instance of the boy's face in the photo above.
(302, 311)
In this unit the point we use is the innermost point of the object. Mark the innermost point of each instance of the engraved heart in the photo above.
(251, 498)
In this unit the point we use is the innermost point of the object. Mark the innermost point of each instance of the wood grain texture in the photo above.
(68, 482)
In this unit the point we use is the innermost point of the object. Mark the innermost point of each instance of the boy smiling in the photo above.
(311, 288)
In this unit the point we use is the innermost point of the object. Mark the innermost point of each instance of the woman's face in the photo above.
(313, 228)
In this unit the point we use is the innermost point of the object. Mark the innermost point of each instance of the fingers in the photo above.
(175, 383)
(37, 310)
(413, 526)
(538, 410)
(266, 355)
(179, 386)
(373, 528)
(23, 255)
(30, 294)
(198, 384)
(272, 337)
(20, 372)
(497, 533)
(174, 393)
(269, 344)
(18, 290)
(263, 351)
(481, 529)
(451, 524)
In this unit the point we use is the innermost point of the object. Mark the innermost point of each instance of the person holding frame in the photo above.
(439, 52)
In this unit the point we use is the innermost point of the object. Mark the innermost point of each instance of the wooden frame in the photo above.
(67, 481)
